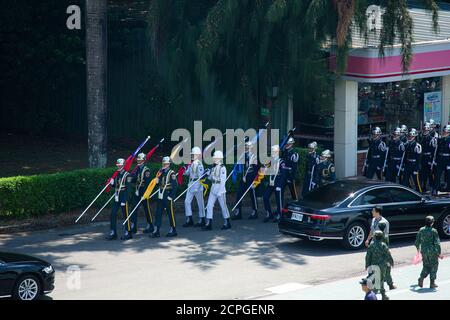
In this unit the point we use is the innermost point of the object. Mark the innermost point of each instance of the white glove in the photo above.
(169, 198)
(111, 182)
(277, 189)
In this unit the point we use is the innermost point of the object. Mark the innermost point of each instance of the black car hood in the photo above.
(19, 258)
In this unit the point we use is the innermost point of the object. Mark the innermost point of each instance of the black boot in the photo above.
(126, 236)
(208, 225)
(155, 233)
(111, 236)
(149, 228)
(237, 215)
(420, 282)
(277, 218)
(433, 284)
(268, 217)
(200, 223)
(384, 296)
(253, 215)
(189, 222)
(172, 233)
(227, 225)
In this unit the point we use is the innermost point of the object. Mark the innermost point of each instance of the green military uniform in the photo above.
(385, 239)
(428, 243)
(378, 254)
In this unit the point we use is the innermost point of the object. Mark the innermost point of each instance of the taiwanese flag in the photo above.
(128, 162)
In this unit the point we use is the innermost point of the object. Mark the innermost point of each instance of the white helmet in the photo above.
(141, 157)
(120, 162)
(290, 141)
(218, 154)
(404, 129)
(446, 128)
(397, 131)
(196, 151)
(312, 145)
(326, 154)
(376, 131)
(166, 160)
(413, 133)
(432, 123)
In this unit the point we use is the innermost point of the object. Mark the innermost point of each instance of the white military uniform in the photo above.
(195, 171)
(218, 176)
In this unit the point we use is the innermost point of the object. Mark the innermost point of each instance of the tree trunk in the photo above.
(96, 64)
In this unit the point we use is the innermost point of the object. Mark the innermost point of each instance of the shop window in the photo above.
(389, 105)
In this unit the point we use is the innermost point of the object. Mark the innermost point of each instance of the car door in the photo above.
(380, 197)
(7, 279)
(412, 207)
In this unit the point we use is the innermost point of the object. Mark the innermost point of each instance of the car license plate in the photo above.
(297, 216)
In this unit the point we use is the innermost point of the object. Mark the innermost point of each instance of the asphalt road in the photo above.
(252, 260)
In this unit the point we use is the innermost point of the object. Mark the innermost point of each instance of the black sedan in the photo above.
(23, 277)
(342, 211)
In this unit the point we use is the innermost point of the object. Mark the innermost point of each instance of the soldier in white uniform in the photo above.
(195, 171)
(218, 176)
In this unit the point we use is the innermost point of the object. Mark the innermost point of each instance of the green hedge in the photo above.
(27, 196)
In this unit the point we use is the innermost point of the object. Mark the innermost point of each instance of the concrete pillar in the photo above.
(345, 128)
(445, 100)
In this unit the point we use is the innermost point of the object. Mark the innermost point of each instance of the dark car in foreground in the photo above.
(24, 277)
(342, 211)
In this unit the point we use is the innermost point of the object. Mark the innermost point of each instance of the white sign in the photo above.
(432, 106)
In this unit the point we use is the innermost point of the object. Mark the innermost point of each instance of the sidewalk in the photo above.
(349, 289)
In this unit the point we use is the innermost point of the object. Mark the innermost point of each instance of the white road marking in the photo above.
(287, 287)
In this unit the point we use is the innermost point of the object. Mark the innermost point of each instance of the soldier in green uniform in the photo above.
(389, 281)
(428, 243)
(378, 254)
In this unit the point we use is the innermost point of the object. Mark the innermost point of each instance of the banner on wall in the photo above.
(432, 106)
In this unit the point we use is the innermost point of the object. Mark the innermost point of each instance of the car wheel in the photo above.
(354, 236)
(27, 288)
(444, 225)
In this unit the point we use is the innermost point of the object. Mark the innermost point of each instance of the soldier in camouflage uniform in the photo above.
(378, 254)
(389, 281)
(428, 243)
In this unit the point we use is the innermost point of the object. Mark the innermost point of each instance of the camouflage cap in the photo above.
(378, 235)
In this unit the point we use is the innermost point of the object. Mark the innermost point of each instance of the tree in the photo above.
(96, 81)
(248, 46)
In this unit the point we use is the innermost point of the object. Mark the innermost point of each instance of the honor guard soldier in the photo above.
(429, 149)
(290, 157)
(413, 151)
(375, 155)
(121, 187)
(325, 171)
(141, 178)
(395, 155)
(218, 177)
(195, 171)
(434, 128)
(404, 133)
(312, 160)
(167, 181)
(443, 160)
(250, 170)
(277, 180)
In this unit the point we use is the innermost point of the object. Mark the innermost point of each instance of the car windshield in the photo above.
(327, 196)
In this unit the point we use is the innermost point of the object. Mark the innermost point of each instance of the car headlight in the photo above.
(48, 269)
